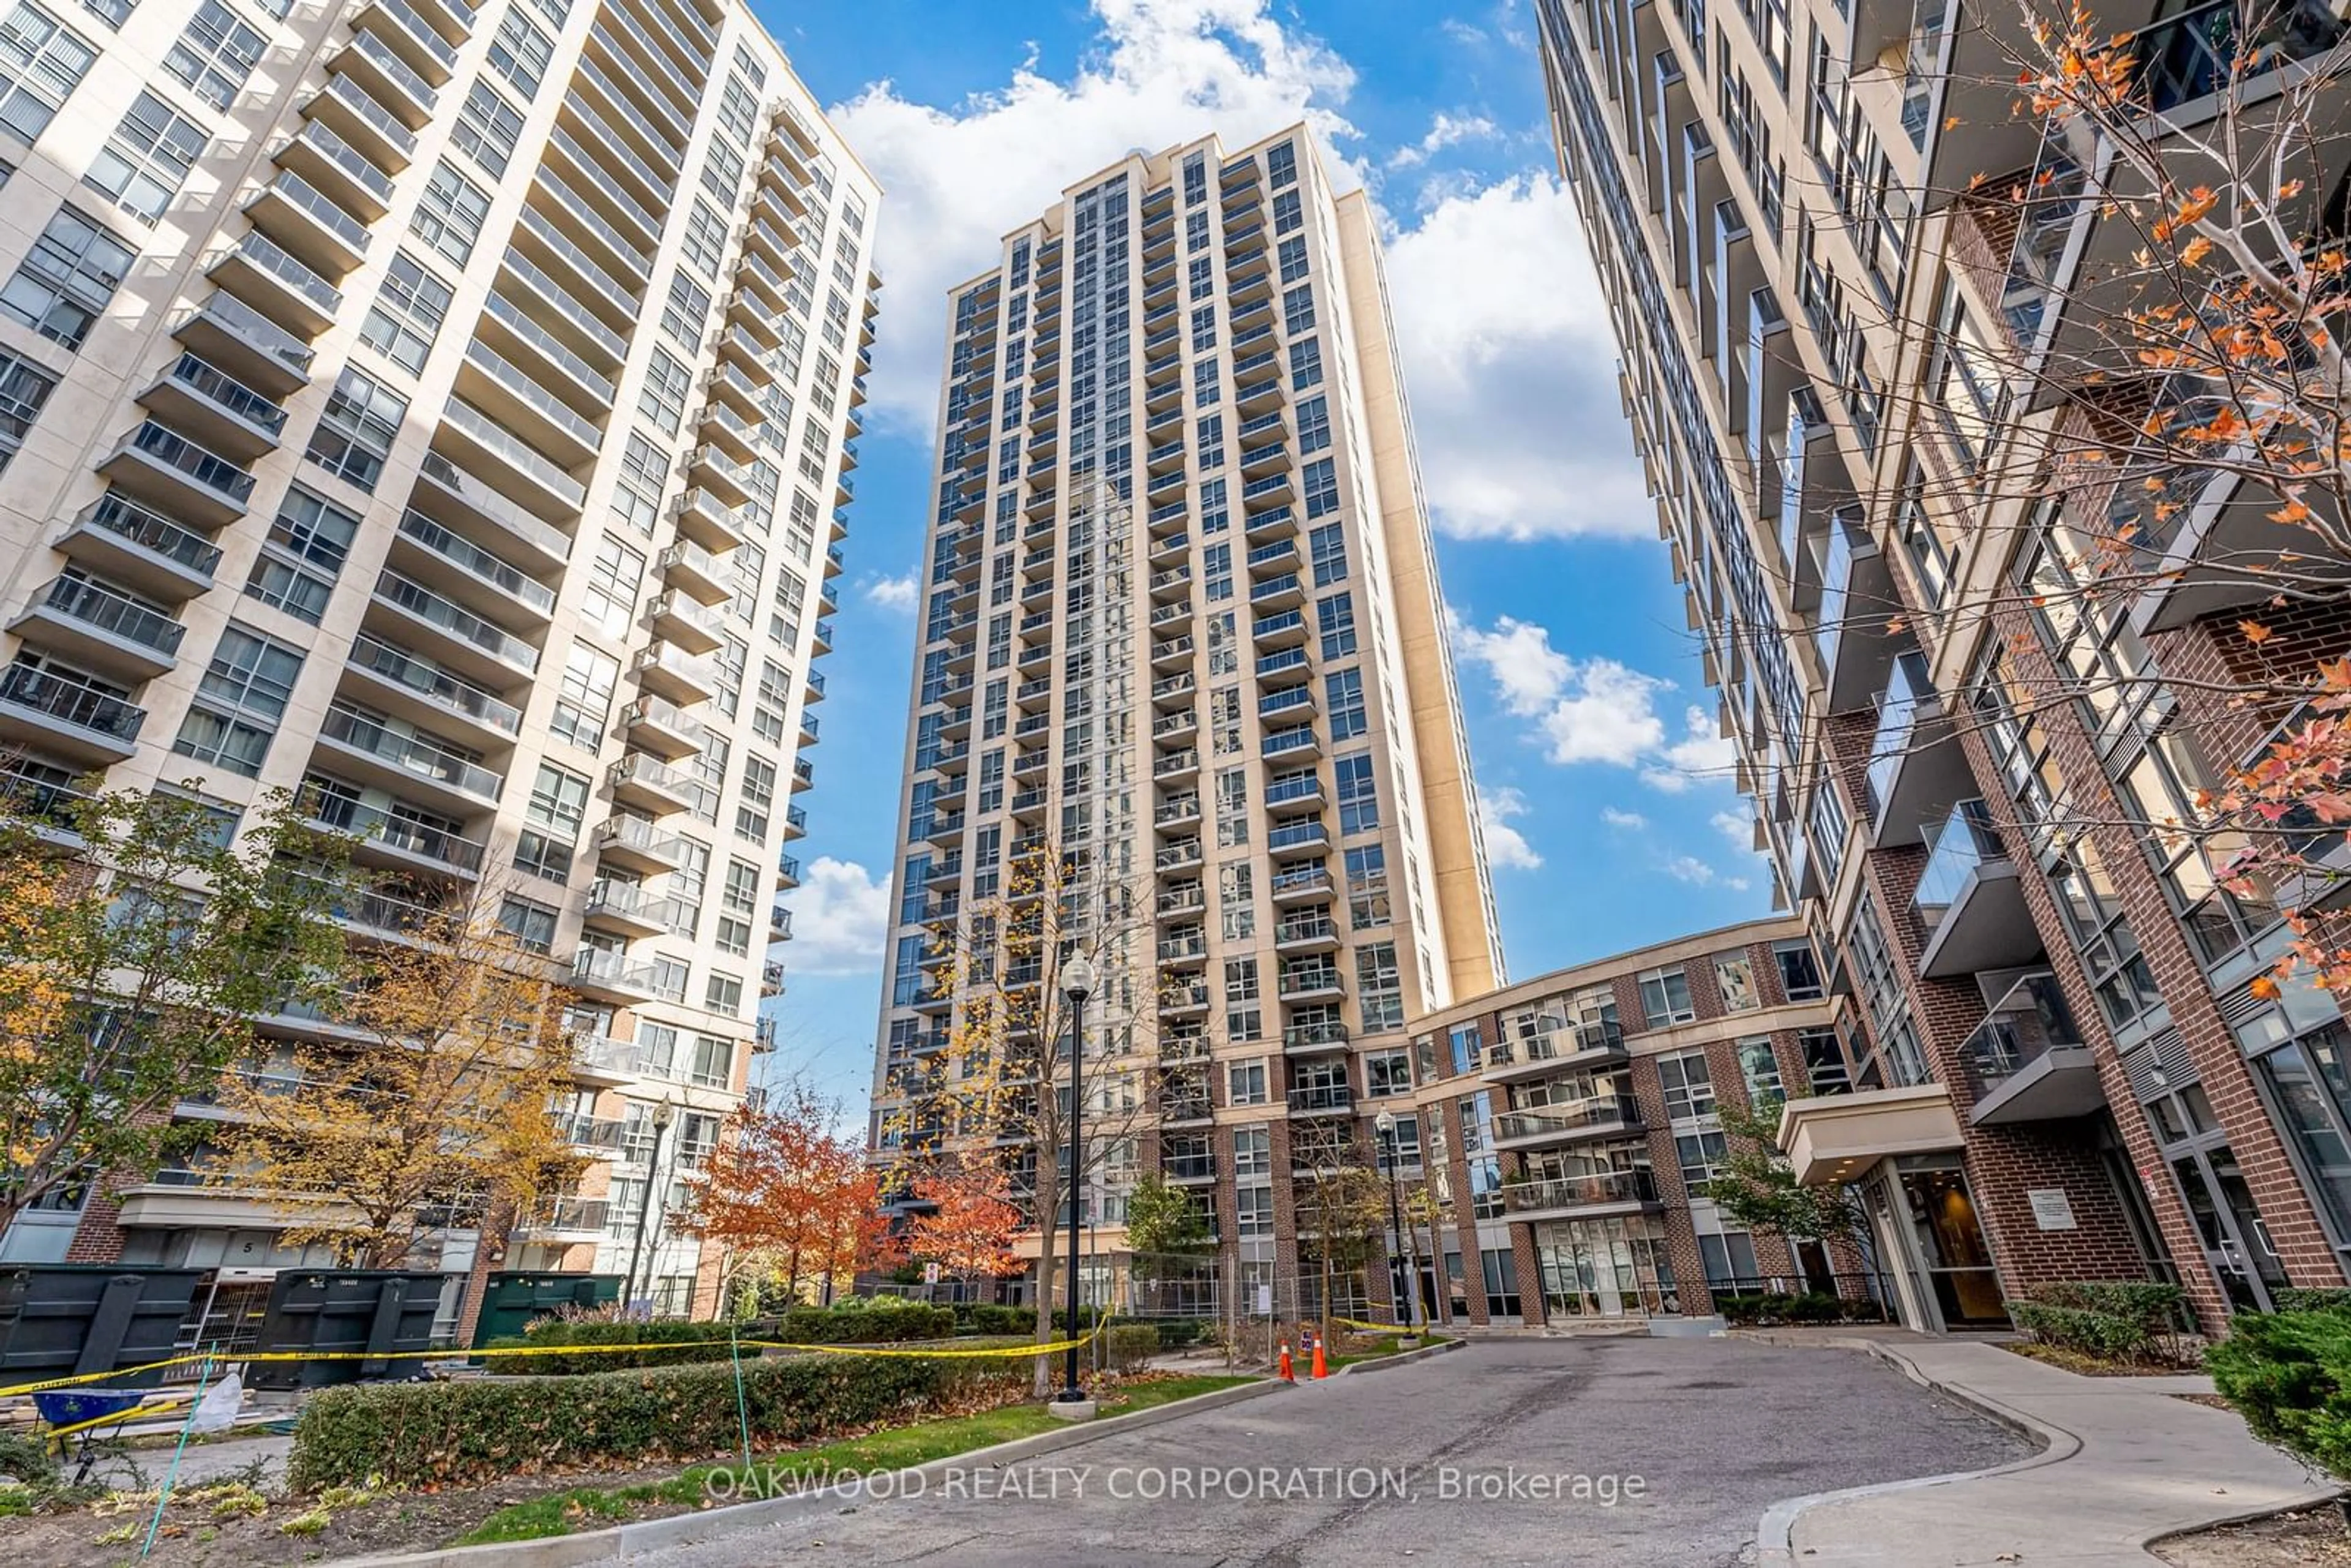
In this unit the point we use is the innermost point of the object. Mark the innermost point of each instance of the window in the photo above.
(1289, 212)
(1305, 365)
(1800, 972)
(1734, 981)
(1824, 1065)
(583, 703)
(1502, 1271)
(239, 701)
(663, 398)
(1367, 886)
(24, 388)
(528, 922)
(1282, 165)
(556, 811)
(1468, 1047)
(1729, 1259)
(1699, 1154)
(759, 799)
(1359, 797)
(1688, 1091)
(723, 994)
(706, 239)
(1245, 1084)
(1336, 618)
(487, 127)
(688, 308)
(214, 55)
(66, 281)
(1319, 482)
(302, 555)
(737, 108)
(1253, 1210)
(1666, 998)
(407, 315)
(355, 433)
(520, 51)
(1759, 1065)
(449, 213)
(1344, 692)
(1297, 309)
(722, 172)
(143, 163)
(1379, 987)
(738, 900)
(713, 1063)
(1252, 1151)
(1293, 253)
(1388, 1072)
(41, 62)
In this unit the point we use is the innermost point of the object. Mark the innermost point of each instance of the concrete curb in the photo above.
(1400, 1358)
(685, 1528)
(1774, 1547)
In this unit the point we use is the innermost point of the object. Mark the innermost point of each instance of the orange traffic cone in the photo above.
(1286, 1376)
(1320, 1370)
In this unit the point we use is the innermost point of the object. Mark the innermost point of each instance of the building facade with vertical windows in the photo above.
(1181, 621)
(444, 415)
(1828, 244)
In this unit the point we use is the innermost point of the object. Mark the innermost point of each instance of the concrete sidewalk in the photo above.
(2126, 1463)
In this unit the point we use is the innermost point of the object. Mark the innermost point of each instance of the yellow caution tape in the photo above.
(1383, 1328)
(1055, 1347)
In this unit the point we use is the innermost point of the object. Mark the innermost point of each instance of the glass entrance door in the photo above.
(1951, 1242)
(2229, 1223)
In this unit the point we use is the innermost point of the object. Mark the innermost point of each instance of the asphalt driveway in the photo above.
(1614, 1453)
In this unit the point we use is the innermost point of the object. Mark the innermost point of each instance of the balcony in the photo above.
(565, 1221)
(1288, 840)
(661, 726)
(577, 219)
(1176, 765)
(342, 172)
(508, 394)
(1968, 902)
(665, 671)
(647, 782)
(1858, 609)
(141, 549)
(1284, 630)
(404, 761)
(539, 485)
(263, 273)
(450, 494)
(1322, 1099)
(1315, 1036)
(101, 628)
(388, 838)
(1299, 885)
(214, 407)
(1176, 903)
(1917, 771)
(625, 909)
(603, 1061)
(707, 520)
(610, 977)
(484, 583)
(1305, 934)
(685, 622)
(1310, 980)
(1181, 812)
(1574, 1197)
(585, 386)
(414, 38)
(1556, 1047)
(788, 877)
(2027, 1062)
(470, 645)
(310, 224)
(689, 569)
(423, 693)
(362, 120)
(57, 712)
(1183, 1001)
(634, 844)
(1296, 741)
(585, 279)
(178, 478)
(1548, 1126)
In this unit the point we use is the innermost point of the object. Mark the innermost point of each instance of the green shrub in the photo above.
(1766, 1308)
(2120, 1320)
(993, 1317)
(1127, 1346)
(1176, 1333)
(2288, 1373)
(408, 1435)
(2144, 1301)
(2313, 1299)
(694, 1342)
(866, 1320)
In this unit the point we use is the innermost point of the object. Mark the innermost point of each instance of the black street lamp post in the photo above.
(662, 1113)
(1385, 1123)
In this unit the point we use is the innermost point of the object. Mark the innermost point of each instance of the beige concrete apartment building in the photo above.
(1180, 617)
(446, 414)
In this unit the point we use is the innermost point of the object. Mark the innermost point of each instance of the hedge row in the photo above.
(2118, 1320)
(1766, 1308)
(2289, 1374)
(694, 1342)
(848, 1324)
(408, 1435)
(1127, 1346)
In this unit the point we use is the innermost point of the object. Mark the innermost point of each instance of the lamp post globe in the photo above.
(1077, 981)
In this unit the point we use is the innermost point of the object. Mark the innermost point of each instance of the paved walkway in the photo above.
(2127, 1462)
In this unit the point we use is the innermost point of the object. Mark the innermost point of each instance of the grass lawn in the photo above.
(592, 1507)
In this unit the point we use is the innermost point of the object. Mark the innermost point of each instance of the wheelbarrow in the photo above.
(81, 1413)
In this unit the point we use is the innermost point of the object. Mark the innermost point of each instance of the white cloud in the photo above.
(892, 592)
(1461, 32)
(1700, 756)
(841, 919)
(956, 178)
(1697, 873)
(1628, 822)
(1505, 343)
(1444, 130)
(1738, 827)
(1506, 847)
(1590, 710)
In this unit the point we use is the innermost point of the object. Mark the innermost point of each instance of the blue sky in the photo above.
(1610, 812)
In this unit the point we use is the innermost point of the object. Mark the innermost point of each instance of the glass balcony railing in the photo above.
(477, 562)
(394, 69)
(536, 398)
(577, 207)
(462, 625)
(476, 496)
(542, 228)
(1599, 1191)
(1599, 1112)
(345, 815)
(225, 392)
(420, 754)
(1897, 716)
(2025, 1025)
(487, 433)
(1322, 1097)
(430, 681)
(330, 215)
(663, 143)
(116, 614)
(372, 114)
(1964, 841)
(72, 702)
(176, 452)
(269, 256)
(519, 322)
(354, 165)
(136, 524)
(2199, 52)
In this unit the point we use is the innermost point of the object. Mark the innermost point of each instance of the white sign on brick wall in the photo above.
(2052, 1209)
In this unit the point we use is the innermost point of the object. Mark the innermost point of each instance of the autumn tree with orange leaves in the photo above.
(786, 1196)
(967, 1225)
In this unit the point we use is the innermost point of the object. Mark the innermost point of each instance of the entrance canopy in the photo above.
(1838, 1137)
